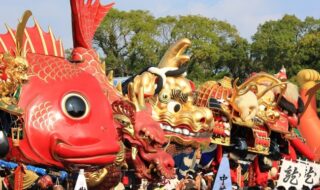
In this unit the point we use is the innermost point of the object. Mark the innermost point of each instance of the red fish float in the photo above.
(145, 139)
(67, 104)
(63, 105)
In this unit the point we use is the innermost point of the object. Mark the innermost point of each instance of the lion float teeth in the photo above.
(151, 166)
(169, 128)
(224, 118)
(183, 131)
(178, 130)
(134, 153)
(162, 126)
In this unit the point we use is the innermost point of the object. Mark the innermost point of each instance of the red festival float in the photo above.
(66, 105)
(59, 116)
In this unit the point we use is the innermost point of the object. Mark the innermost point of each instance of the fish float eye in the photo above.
(75, 106)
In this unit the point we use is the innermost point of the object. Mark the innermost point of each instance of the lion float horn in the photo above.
(20, 51)
(174, 55)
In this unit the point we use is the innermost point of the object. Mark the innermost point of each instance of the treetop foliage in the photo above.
(133, 40)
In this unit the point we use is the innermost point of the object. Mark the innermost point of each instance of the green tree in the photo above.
(215, 44)
(135, 39)
(289, 42)
(310, 44)
(128, 40)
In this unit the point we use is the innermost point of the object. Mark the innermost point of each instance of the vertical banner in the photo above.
(311, 173)
(291, 175)
(223, 178)
(317, 171)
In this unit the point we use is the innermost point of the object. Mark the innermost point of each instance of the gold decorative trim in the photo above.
(225, 141)
(53, 42)
(3, 45)
(11, 33)
(43, 42)
(259, 150)
(29, 41)
(61, 48)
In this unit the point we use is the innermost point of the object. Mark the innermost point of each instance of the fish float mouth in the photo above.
(93, 154)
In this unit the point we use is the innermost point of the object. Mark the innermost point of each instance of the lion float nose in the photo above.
(203, 118)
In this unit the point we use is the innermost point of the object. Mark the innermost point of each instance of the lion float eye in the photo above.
(174, 106)
(75, 106)
(164, 97)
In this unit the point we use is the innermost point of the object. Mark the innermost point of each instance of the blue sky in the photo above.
(246, 15)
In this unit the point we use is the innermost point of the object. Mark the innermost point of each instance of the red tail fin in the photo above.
(86, 18)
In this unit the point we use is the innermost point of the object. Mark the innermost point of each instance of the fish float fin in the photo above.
(32, 39)
(86, 18)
